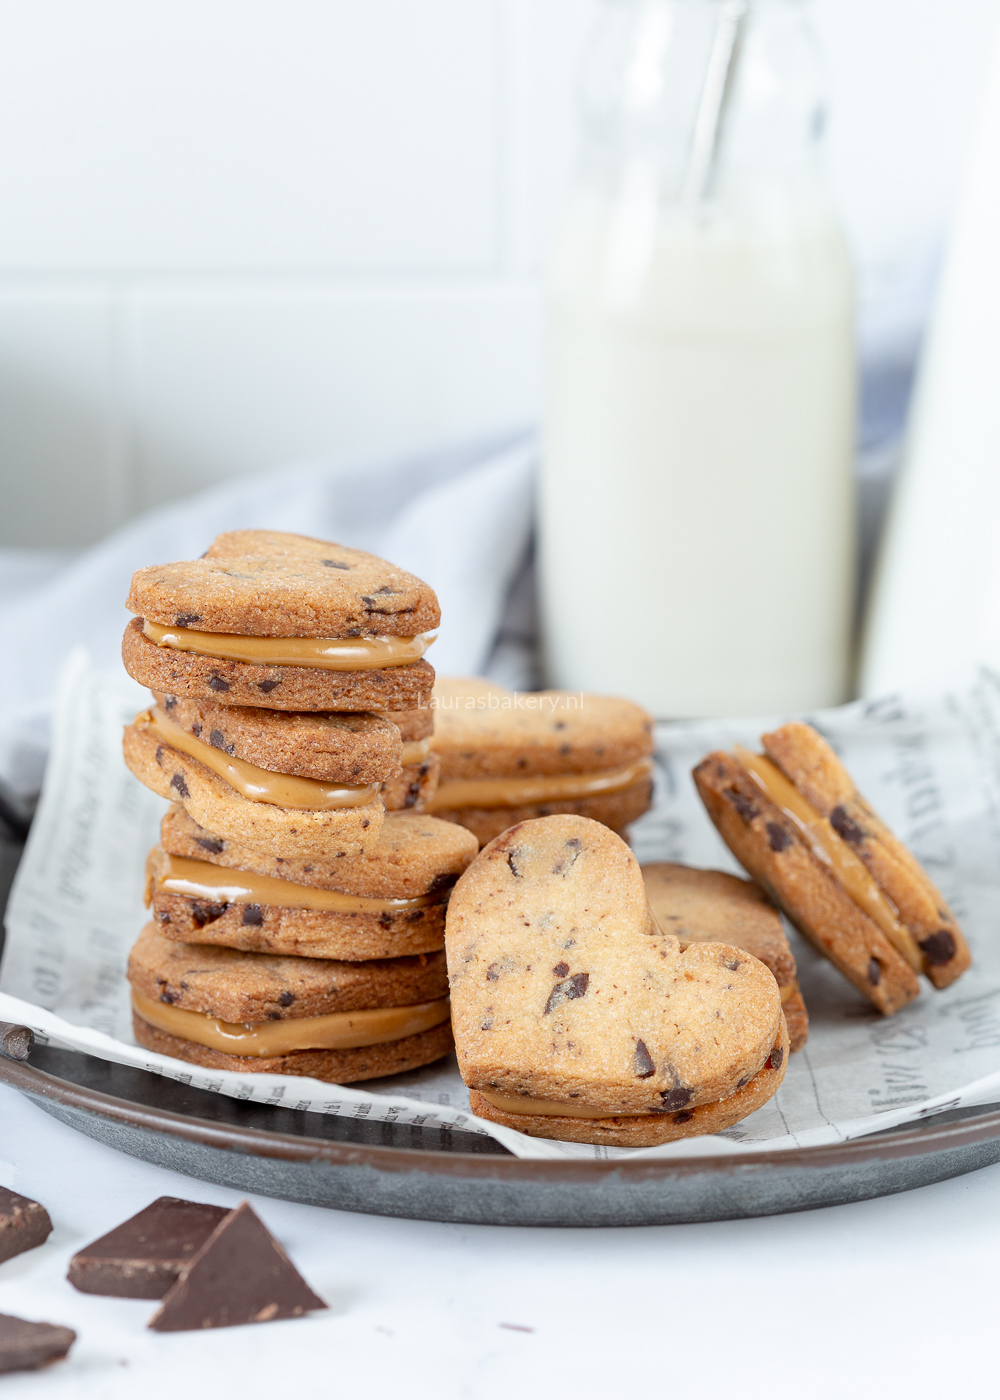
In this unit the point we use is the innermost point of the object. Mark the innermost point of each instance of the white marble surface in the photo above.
(886, 1298)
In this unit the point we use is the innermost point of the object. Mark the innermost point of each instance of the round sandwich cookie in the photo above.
(284, 622)
(794, 819)
(575, 1016)
(273, 812)
(507, 757)
(709, 906)
(388, 903)
(252, 1012)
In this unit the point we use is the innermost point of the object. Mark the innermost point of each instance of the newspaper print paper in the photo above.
(930, 766)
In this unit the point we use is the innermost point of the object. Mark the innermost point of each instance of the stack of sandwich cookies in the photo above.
(577, 1018)
(708, 906)
(387, 903)
(793, 817)
(508, 757)
(296, 928)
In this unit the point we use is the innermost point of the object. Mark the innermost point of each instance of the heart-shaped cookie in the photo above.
(565, 991)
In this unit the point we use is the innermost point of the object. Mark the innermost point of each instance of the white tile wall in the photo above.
(235, 232)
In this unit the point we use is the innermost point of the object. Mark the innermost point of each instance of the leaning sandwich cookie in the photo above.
(508, 757)
(252, 1012)
(794, 819)
(275, 812)
(387, 903)
(709, 906)
(577, 1018)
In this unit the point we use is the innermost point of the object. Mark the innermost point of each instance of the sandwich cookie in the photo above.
(413, 787)
(508, 757)
(252, 1012)
(577, 1018)
(274, 812)
(285, 622)
(793, 817)
(708, 906)
(388, 903)
(341, 747)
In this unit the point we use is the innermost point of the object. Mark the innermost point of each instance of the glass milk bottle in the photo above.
(697, 530)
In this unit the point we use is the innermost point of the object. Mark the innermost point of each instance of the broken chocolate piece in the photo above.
(240, 1274)
(24, 1224)
(25, 1346)
(143, 1257)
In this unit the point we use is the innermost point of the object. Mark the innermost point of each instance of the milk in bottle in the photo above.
(696, 504)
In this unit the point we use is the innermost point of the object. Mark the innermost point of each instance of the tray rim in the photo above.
(917, 1139)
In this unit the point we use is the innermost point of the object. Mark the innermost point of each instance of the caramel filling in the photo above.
(198, 879)
(849, 870)
(341, 1030)
(525, 792)
(546, 1108)
(415, 752)
(787, 992)
(257, 784)
(327, 653)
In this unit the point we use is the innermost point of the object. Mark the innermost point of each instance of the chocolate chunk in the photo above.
(732, 964)
(211, 843)
(335, 564)
(643, 1061)
(268, 686)
(169, 703)
(286, 998)
(939, 948)
(775, 1058)
(571, 990)
(846, 827)
(675, 1098)
(26, 1346)
(217, 683)
(742, 804)
(217, 739)
(240, 1274)
(777, 837)
(685, 1116)
(24, 1224)
(253, 915)
(142, 1257)
(205, 911)
(187, 619)
(179, 785)
(513, 865)
(874, 971)
(560, 969)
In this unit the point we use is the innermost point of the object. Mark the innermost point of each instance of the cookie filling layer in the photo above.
(257, 784)
(525, 792)
(415, 752)
(198, 879)
(326, 653)
(546, 1108)
(832, 851)
(342, 1030)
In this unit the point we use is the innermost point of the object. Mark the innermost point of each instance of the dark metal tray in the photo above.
(442, 1174)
